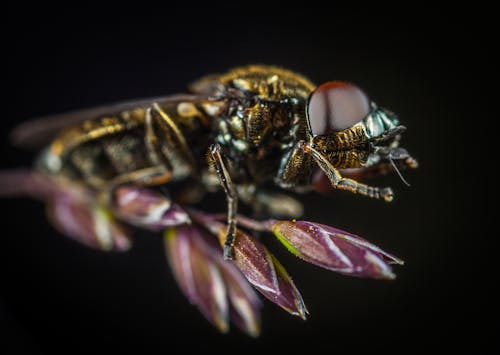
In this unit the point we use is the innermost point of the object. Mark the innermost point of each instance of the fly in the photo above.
(241, 130)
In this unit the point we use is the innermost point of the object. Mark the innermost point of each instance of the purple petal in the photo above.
(335, 249)
(254, 261)
(289, 298)
(259, 266)
(80, 219)
(361, 242)
(197, 274)
(72, 209)
(244, 302)
(267, 275)
(111, 234)
(24, 182)
(147, 208)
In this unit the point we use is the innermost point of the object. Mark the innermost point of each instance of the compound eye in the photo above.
(335, 106)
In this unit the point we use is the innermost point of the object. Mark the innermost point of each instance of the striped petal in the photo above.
(197, 274)
(335, 249)
(259, 267)
(147, 208)
(244, 303)
(82, 220)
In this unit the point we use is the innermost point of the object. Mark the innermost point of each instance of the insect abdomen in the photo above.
(100, 161)
(98, 150)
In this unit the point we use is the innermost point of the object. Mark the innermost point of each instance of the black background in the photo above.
(426, 64)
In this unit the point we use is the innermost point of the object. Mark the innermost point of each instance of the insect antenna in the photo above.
(399, 172)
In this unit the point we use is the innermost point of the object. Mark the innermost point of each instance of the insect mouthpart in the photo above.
(397, 157)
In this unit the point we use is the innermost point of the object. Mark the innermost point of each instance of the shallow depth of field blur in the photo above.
(58, 295)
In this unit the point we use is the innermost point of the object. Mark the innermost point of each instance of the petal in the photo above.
(197, 274)
(244, 302)
(174, 216)
(24, 182)
(147, 208)
(267, 275)
(391, 259)
(72, 209)
(110, 234)
(178, 250)
(254, 261)
(81, 219)
(335, 249)
(290, 298)
(259, 266)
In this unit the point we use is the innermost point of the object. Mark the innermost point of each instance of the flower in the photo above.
(147, 208)
(259, 266)
(194, 241)
(81, 219)
(211, 283)
(334, 249)
(72, 209)
(267, 275)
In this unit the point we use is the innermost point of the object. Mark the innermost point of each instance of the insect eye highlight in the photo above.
(335, 106)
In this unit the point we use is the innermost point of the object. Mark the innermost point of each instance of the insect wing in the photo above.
(40, 131)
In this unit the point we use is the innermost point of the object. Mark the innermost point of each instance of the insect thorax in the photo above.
(264, 116)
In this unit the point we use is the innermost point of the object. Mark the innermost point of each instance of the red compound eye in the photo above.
(335, 106)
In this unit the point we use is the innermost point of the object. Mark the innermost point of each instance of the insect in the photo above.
(243, 130)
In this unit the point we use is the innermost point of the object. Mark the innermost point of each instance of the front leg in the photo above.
(342, 183)
(231, 196)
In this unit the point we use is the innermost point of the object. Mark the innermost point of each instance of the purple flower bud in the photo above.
(335, 249)
(259, 266)
(267, 275)
(24, 182)
(198, 274)
(80, 219)
(209, 281)
(147, 208)
(244, 303)
(73, 210)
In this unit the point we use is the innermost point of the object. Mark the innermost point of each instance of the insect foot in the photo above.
(387, 194)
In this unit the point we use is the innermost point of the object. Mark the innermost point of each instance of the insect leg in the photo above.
(231, 195)
(159, 173)
(295, 170)
(152, 142)
(172, 137)
(152, 176)
(342, 183)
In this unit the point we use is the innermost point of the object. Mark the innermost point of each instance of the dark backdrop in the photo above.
(425, 64)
